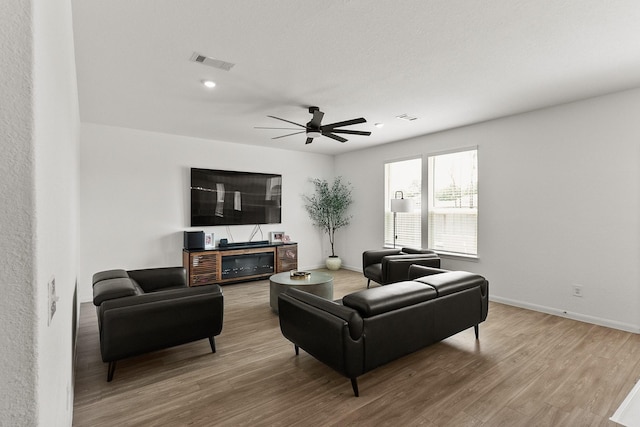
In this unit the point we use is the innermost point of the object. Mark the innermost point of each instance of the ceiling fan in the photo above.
(315, 129)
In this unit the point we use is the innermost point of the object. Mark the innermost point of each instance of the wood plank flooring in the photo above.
(527, 369)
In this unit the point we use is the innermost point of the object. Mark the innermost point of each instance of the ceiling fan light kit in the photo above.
(315, 129)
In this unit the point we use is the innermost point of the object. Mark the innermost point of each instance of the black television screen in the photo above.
(220, 197)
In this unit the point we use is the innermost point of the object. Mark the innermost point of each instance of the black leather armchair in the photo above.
(146, 310)
(386, 266)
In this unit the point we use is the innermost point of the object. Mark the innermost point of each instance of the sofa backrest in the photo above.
(450, 282)
(152, 279)
(383, 299)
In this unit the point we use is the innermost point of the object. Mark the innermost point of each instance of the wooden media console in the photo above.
(238, 263)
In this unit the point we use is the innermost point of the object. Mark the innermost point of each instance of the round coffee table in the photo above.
(317, 283)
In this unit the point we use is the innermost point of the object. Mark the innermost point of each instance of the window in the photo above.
(403, 178)
(452, 209)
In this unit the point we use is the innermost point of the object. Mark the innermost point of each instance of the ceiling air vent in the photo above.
(211, 62)
(406, 117)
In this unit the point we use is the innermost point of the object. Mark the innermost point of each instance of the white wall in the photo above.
(559, 205)
(56, 153)
(134, 197)
(38, 169)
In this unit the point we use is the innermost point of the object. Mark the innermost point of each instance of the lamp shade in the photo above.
(401, 205)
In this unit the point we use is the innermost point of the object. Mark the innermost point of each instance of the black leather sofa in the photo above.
(386, 266)
(374, 326)
(146, 310)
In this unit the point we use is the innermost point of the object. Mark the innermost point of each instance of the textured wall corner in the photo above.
(18, 394)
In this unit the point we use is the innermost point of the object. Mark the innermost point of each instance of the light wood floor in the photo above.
(527, 369)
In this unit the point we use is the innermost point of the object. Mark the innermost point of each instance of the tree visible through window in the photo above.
(453, 202)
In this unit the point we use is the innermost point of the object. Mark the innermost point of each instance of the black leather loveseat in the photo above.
(386, 266)
(145, 310)
(374, 326)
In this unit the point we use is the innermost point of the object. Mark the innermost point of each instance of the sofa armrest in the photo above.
(113, 288)
(345, 313)
(375, 256)
(154, 279)
(321, 328)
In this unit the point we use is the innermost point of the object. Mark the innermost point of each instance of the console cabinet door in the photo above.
(202, 268)
(287, 258)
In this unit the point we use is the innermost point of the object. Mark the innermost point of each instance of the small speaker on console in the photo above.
(223, 243)
(194, 239)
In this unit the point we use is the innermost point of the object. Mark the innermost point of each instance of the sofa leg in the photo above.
(368, 283)
(111, 370)
(297, 349)
(212, 343)
(354, 385)
(476, 328)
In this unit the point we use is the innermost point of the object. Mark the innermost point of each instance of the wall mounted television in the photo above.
(220, 197)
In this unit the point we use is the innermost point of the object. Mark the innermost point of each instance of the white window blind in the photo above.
(403, 179)
(453, 202)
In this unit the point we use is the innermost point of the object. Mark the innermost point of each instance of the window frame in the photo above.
(427, 179)
(388, 194)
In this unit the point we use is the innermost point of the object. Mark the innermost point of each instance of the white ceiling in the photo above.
(448, 62)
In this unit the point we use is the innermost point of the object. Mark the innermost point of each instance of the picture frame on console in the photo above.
(209, 243)
(276, 236)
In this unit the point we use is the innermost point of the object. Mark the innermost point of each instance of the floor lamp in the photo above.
(401, 205)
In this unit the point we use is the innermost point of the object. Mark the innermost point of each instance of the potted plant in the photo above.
(327, 208)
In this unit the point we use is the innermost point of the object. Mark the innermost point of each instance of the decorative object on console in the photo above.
(327, 209)
(400, 205)
(286, 238)
(209, 243)
(276, 236)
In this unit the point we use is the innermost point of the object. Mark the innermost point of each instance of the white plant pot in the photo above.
(334, 263)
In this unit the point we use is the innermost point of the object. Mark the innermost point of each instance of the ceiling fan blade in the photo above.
(351, 132)
(345, 123)
(262, 127)
(316, 120)
(295, 133)
(336, 137)
(288, 121)
(309, 141)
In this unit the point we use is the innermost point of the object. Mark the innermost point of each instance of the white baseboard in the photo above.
(628, 414)
(543, 309)
(569, 315)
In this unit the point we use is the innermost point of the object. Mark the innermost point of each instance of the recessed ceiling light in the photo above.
(379, 125)
(209, 84)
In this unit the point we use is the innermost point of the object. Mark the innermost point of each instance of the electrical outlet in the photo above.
(577, 291)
